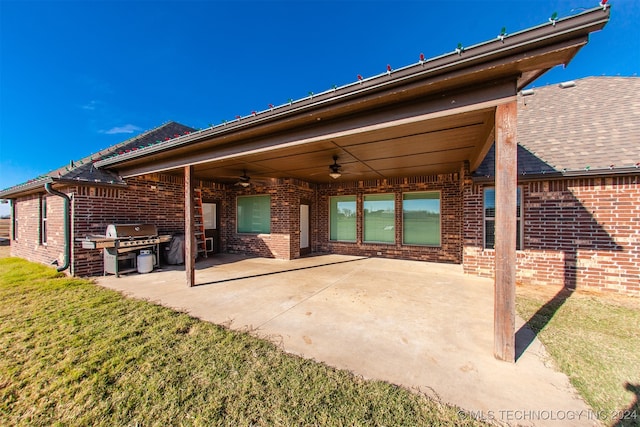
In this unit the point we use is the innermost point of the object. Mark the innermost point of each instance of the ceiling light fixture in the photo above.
(335, 169)
(244, 179)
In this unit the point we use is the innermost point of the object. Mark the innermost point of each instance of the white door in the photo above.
(304, 227)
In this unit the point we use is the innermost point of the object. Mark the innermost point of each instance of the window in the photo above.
(254, 214)
(43, 220)
(14, 220)
(379, 218)
(490, 218)
(421, 218)
(209, 216)
(342, 218)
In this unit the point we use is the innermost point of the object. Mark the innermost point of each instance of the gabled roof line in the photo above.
(84, 171)
(450, 60)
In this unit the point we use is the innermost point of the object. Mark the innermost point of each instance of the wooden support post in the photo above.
(505, 232)
(189, 260)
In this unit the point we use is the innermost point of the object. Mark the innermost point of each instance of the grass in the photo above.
(595, 340)
(72, 353)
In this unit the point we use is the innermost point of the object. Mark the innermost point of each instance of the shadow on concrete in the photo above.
(630, 416)
(271, 272)
(530, 330)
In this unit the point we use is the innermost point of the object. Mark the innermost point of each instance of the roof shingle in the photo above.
(594, 125)
(84, 171)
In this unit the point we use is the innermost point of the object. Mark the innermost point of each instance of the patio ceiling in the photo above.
(423, 119)
(418, 148)
(394, 137)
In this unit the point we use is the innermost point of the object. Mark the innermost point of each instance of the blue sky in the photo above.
(76, 77)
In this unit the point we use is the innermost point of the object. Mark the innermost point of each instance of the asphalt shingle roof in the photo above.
(84, 171)
(594, 125)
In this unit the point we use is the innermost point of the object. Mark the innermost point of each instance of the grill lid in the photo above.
(123, 231)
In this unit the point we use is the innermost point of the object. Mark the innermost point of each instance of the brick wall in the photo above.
(284, 241)
(155, 198)
(158, 199)
(449, 186)
(28, 244)
(579, 233)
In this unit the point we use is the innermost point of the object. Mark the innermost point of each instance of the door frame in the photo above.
(214, 233)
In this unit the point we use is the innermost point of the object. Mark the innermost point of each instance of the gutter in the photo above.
(35, 186)
(576, 173)
(65, 218)
(14, 191)
(562, 29)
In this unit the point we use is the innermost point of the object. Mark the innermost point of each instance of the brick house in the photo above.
(579, 189)
(398, 165)
(97, 198)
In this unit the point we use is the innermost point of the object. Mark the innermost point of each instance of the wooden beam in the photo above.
(487, 142)
(505, 232)
(189, 261)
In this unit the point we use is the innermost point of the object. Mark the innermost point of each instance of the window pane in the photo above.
(490, 234)
(421, 219)
(379, 218)
(490, 213)
(342, 218)
(209, 216)
(14, 219)
(254, 214)
(43, 222)
(489, 203)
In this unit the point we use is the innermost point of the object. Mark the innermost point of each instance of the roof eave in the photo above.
(563, 29)
(24, 189)
(76, 181)
(38, 186)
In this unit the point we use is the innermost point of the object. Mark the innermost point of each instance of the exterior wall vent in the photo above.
(527, 92)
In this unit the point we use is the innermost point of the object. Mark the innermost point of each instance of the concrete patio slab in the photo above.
(425, 326)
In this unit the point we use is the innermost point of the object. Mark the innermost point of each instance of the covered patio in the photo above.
(378, 318)
(411, 125)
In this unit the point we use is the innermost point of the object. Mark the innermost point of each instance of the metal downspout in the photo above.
(65, 213)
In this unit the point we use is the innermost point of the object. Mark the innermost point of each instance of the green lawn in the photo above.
(595, 340)
(72, 353)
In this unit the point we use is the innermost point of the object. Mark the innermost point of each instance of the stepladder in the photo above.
(198, 219)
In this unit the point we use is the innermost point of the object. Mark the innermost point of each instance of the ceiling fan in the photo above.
(244, 180)
(335, 168)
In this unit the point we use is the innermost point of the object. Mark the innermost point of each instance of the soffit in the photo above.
(425, 148)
